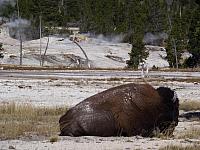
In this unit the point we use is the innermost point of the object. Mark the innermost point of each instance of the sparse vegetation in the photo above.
(25, 120)
(193, 133)
(190, 105)
(188, 80)
(28, 67)
(172, 147)
(54, 139)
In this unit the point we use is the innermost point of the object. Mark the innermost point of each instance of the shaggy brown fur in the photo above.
(126, 110)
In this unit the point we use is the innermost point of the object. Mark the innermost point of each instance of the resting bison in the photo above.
(126, 110)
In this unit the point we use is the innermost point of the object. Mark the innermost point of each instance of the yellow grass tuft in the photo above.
(26, 120)
(54, 139)
(190, 105)
(172, 147)
(193, 133)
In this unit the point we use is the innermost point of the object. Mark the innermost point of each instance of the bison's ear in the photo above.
(167, 94)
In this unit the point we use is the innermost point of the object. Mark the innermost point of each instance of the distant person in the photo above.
(142, 67)
(145, 69)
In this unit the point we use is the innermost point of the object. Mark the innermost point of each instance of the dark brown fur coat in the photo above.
(126, 110)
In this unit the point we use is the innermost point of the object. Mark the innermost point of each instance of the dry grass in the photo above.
(27, 67)
(193, 147)
(26, 120)
(24, 67)
(193, 133)
(59, 67)
(190, 105)
(194, 80)
(54, 139)
(180, 69)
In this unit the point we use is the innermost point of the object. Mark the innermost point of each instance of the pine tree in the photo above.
(133, 18)
(179, 22)
(194, 37)
(49, 10)
(157, 16)
(138, 53)
(72, 10)
(136, 25)
(6, 10)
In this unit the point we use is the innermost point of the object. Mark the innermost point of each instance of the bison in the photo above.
(126, 110)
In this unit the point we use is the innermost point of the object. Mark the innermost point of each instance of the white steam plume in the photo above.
(3, 2)
(153, 39)
(18, 27)
(113, 38)
(22, 23)
(169, 2)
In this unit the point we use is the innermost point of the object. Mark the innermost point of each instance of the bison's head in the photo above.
(168, 119)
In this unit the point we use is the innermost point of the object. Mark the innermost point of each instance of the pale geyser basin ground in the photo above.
(68, 92)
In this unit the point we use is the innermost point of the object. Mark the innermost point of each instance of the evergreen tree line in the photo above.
(179, 19)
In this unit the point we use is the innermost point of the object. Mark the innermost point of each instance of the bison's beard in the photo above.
(126, 110)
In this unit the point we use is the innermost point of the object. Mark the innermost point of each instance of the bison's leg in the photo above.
(99, 123)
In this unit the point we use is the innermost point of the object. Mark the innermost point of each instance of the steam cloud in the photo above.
(169, 2)
(16, 27)
(22, 23)
(19, 27)
(112, 38)
(154, 39)
(3, 2)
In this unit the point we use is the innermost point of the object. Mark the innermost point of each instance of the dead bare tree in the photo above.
(20, 37)
(173, 40)
(40, 17)
(87, 60)
(45, 51)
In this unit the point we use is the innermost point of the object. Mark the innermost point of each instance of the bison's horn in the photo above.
(175, 97)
